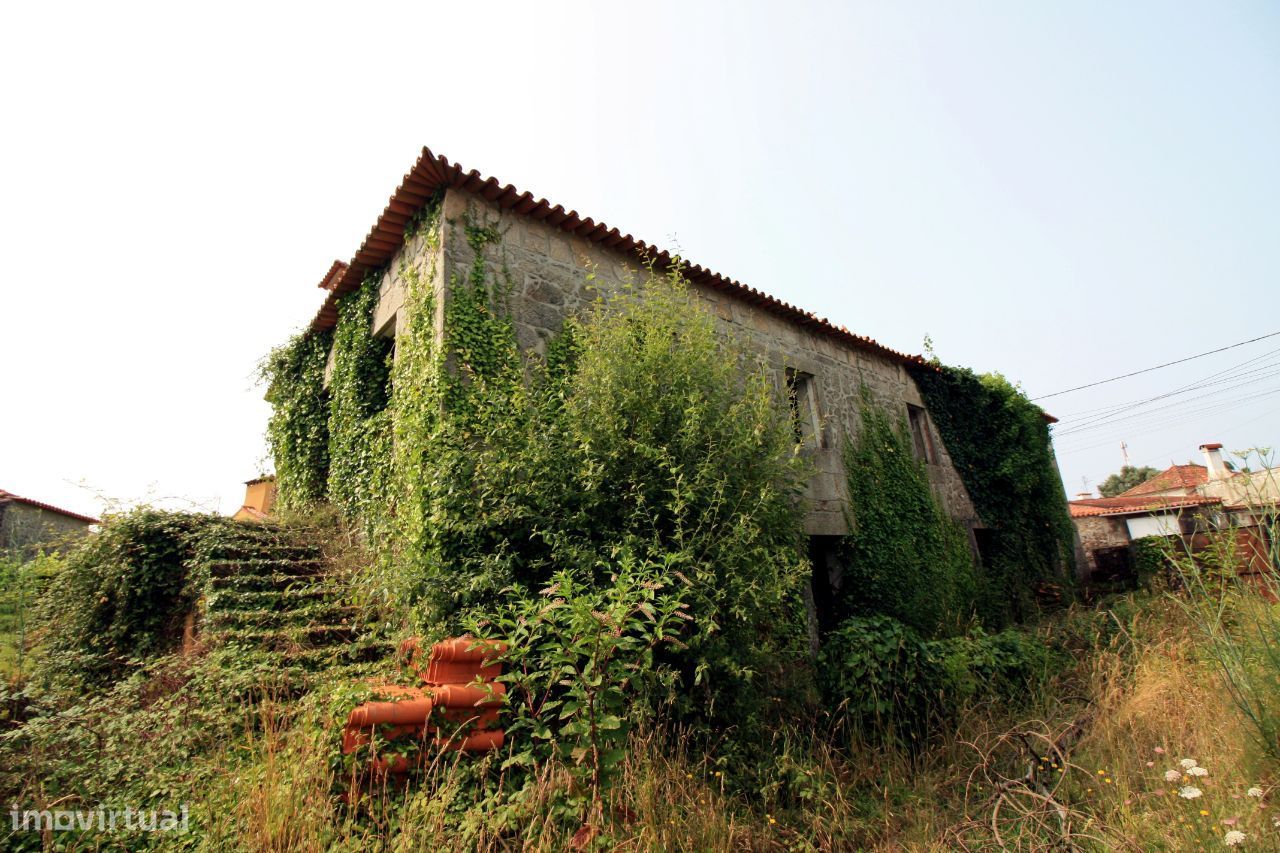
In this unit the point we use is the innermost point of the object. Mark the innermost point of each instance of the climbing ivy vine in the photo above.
(906, 558)
(359, 420)
(999, 442)
(298, 431)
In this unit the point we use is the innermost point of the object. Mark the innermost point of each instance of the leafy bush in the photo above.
(892, 684)
(1006, 666)
(883, 675)
(648, 434)
(1149, 560)
(581, 665)
(122, 594)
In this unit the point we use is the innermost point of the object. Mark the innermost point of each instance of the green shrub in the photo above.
(894, 685)
(883, 676)
(582, 664)
(650, 435)
(1008, 666)
(1150, 561)
(123, 593)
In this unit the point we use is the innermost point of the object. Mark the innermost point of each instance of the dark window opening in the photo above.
(381, 358)
(984, 540)
(1113, 565)
(921, 440)
(804, 409)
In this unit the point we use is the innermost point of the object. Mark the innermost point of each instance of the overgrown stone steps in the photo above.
(241, 568)
(297, 597)
(277, 613)
(283, 639)
(321, 611)
(262, 582)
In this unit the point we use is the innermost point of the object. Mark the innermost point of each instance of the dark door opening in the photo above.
(825, 581)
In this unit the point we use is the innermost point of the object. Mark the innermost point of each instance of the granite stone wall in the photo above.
(549, 275)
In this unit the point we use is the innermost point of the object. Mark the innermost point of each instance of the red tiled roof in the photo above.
(5, 497)
(1134, 504)
(336, 271)
(1174, 477)
(432, 173)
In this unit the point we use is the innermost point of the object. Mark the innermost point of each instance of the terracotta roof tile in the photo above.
(1174, 477)
(433, 172)
(5, 497)
(1134, 504)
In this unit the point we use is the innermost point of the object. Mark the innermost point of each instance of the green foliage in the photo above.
(581, 659)
(298, 432)
(647, 438)
(1150, 560)
(22, 583)
(124, 592)
(893, 684)
(906, 557)
(883, 676)
(1006, 666)
(359, 424)
(1125, 479)
(999, 442)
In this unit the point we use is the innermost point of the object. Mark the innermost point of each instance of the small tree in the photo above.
(1126, 479)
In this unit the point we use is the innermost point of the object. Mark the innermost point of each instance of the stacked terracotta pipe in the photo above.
(455, 709)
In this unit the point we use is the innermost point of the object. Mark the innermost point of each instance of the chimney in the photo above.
(1218, 469)
(1084, 496)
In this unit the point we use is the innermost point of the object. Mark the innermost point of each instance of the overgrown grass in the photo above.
(1082, 764)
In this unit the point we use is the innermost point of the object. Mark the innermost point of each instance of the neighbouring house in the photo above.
(1183, 500)
(259, 498)
(1108, 527)
(556, 262)
(27, 525)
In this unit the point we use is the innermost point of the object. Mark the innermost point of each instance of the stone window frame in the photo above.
(801, 388)
(921, 435)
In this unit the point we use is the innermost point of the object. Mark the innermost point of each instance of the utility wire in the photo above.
(1157, 367)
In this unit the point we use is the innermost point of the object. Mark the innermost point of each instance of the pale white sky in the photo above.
(1061, 191)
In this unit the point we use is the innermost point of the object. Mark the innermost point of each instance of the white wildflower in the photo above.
(1197, 771)
(1187, 763)
(1172, 775)
(1234, 838)
(1190, 792)
(1254, 792)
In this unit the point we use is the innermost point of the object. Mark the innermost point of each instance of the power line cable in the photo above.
(1223, 375)
(1157, 367)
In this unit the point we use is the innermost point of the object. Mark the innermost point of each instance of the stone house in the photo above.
(557, 262)
(26, 525)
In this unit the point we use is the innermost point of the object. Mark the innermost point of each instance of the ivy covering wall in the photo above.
(999, 442)
(359, 418)
(298, 431)
(906, 558)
